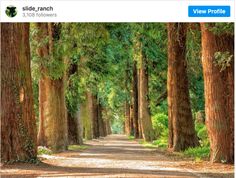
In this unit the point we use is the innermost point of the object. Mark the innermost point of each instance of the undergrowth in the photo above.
(77, 147)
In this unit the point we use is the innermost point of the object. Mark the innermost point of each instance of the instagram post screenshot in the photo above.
(117, 88)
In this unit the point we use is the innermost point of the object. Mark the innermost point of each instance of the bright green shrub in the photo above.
(198, 152)
(202, 133)
(160, 124)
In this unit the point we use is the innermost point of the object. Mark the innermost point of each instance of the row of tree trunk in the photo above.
(219, 95)
(55, 121)
(138, 117)
(95, 124)
(57, 128)
(218, 88)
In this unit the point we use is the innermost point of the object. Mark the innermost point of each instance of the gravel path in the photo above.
(116, 156)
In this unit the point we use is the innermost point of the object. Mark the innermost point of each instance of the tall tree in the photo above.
(95, 116)
(101, 124)
(218, 71)
(127, 118)
(145, 115)
(87, 116)
(181, 126)
(135, 100)
(53, 131)
(18, 124)
(75, 124)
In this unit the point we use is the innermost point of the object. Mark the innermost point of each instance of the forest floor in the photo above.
(117, 156)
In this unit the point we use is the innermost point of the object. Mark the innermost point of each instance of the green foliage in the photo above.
(221, 28)
(55, 63)
(202, 134)
(42, 150)
(73, 94)
(130, 137)
(77, 147)
(198, 153)
(194, 68)
(117, 125)
(147, 144)
(223, 59)
(160, 123)
(161, 142)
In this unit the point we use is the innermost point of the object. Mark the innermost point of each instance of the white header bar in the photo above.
(113, 11)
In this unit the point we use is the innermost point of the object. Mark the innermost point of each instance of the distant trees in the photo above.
(182, 134)
(218, 70)
(18, 124)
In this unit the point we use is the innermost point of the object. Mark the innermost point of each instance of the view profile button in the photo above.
(209, 11)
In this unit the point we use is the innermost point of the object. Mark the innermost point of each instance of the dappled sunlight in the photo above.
(108, 159)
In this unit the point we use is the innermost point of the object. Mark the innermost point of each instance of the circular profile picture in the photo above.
(11, 11)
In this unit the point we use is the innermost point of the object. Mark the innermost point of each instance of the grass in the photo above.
(160, 143)
(148, 144)
(77, 147)
(42, 150)
(131, 137)
(198, 153)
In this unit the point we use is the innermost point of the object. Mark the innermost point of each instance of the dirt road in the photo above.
(116, 156)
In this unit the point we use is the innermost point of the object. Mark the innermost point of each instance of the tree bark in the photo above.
(131, 123)
(145, 117)
(127, 118)
(53, 130)
(181, 126)
(86, 116)
(75, 135)
(100, 121)
(135, 100)
(219, 94)
(95, 117)
(139, 118)
(18, 124)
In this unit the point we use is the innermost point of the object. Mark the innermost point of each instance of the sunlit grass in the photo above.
(131, 137)
(77, 147)
(147, 144)
(198, 153)
(44, 150)
(160, 143)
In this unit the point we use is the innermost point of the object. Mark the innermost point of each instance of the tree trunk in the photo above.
(18, 124)
(95, 117)
(219, 95)
(85, 109)
(131, 123)
(145, 117)
(75, 135)
(100, 121)
(127, 118)
(89, 122)
(139, 119)
(135, 100)
(181, 126)
(106, 117)
(53, 131)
